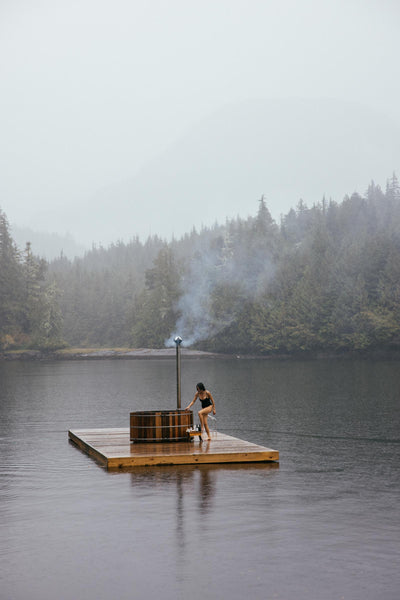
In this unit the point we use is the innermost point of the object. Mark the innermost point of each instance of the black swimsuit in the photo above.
(206, 402)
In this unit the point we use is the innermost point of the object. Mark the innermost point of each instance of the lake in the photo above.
(324, 523)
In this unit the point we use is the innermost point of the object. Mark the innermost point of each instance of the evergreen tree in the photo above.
(155, 310)
(393, 189)
(34, 274)
(47, 334)
(10, 285)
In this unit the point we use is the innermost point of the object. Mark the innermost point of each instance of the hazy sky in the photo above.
(92, 89)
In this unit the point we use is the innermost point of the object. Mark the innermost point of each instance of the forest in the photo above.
(325, 279)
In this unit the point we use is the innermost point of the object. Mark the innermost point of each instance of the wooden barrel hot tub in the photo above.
(160, 425)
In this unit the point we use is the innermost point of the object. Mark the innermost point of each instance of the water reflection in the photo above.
(193, 489)
(180, 516)
(207, 490)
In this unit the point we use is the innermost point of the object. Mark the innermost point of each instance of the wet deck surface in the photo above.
(113, 449)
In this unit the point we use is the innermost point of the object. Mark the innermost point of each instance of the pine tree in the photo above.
(264, 221)
(10, 285)
(47, 335)
(155, 310)
(393, 189)
(34, 274)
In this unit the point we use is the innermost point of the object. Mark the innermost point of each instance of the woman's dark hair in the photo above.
(200, 387)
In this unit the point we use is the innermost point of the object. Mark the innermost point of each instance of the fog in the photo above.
(101, 103)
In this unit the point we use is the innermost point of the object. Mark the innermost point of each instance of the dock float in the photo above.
(113, 449)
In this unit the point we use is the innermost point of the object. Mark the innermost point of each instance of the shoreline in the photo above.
(186, 353)
(106, 353)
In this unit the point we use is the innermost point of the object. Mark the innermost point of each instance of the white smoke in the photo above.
(217, 263)
(194, 306)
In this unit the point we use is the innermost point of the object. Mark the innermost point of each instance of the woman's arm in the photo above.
(192, 402)
(212, 400)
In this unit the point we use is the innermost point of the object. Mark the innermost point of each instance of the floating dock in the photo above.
(113, 449)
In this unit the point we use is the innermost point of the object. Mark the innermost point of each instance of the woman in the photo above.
(207, 405)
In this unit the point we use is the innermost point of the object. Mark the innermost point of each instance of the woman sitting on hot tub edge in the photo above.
(207, 405)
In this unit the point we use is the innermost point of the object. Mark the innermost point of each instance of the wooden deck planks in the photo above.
(112, 447)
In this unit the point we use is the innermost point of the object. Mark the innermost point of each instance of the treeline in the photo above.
(29, 309)
(327, 278)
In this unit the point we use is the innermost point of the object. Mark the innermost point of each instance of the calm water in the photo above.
(323, 524)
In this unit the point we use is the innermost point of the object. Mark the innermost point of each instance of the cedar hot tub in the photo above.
(160, 425)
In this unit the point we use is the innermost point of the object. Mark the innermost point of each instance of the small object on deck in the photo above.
(192, 433)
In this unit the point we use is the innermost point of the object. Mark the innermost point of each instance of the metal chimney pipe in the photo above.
(178, 342)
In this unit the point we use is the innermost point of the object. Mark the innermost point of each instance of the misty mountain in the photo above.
(285, 149)
(47, 245)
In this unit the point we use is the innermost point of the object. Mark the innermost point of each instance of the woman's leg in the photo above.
(206, 426)
(203, 414)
